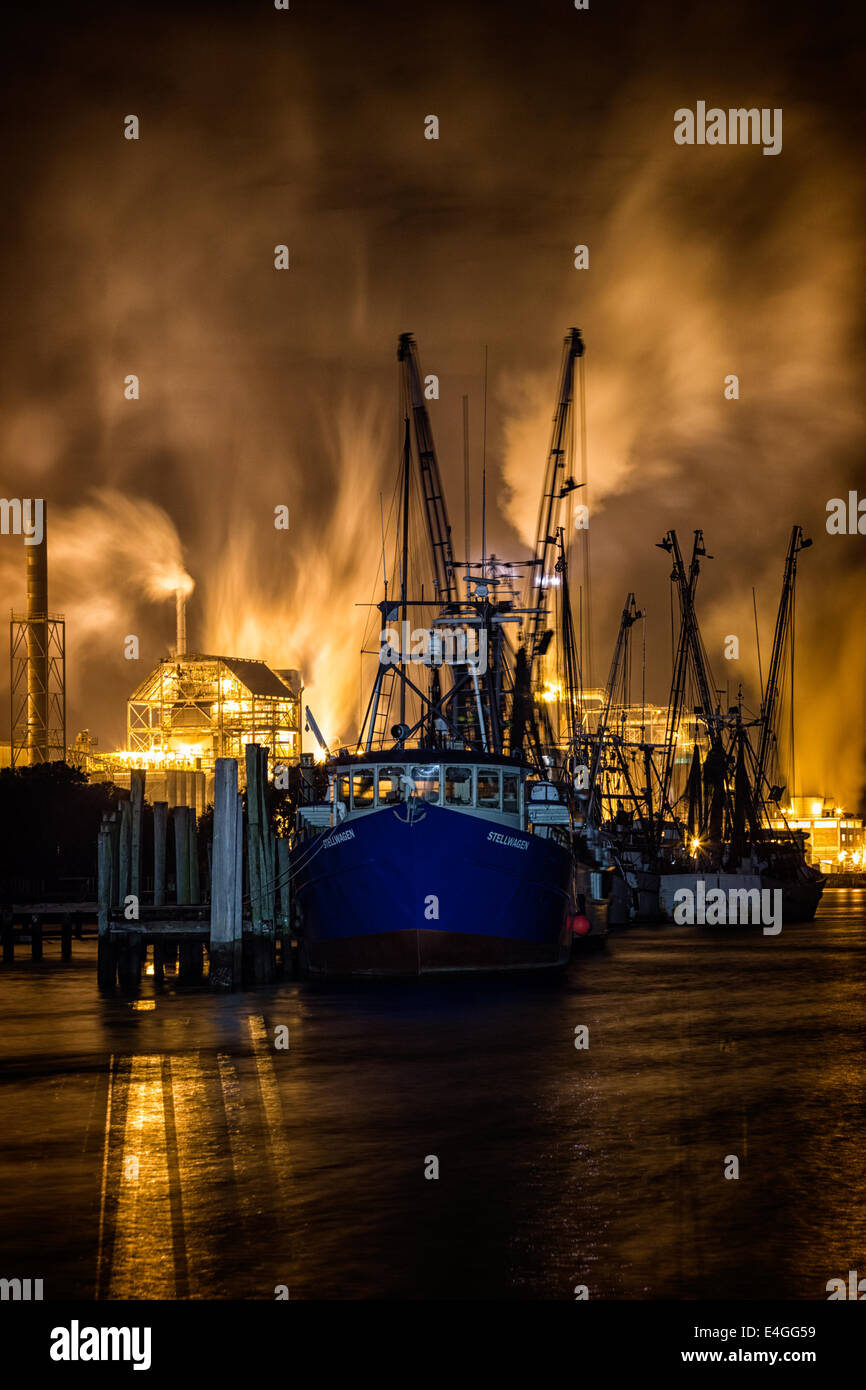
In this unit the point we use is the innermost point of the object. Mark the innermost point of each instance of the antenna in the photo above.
(407, 460)
(758, 643)
(384, 565)
(466, 532)
(484, 474)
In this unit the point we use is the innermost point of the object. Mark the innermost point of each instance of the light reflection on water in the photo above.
(256, 1167)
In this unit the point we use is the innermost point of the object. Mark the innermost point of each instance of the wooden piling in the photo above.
(192, 837)
(105, 968)
(7, 927)
(260, 874)
(254, 862)
(189, 959)
(225, 938)
(180, 816)
(190, 962)
(114, 829)
(136, 797)
(125, 872)
(66, 936)
(129, 961)
(160, 823)
(238, 904)
(285, 918)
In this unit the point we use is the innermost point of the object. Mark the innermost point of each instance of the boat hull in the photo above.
(421, 889)
(800, 895)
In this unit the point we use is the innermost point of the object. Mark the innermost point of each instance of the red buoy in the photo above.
(580, 925)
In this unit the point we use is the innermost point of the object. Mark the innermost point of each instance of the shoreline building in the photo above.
(191, 710)
(836, 841)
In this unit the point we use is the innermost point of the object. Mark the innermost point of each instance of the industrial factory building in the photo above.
(192, 710)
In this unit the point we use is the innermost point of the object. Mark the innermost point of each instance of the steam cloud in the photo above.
(261, 388)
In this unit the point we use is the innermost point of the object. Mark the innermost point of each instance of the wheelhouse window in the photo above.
(488, 790)
(363, 784)
(390, 785)
(426, 781)
(343, 790)
(511, 792)
(458, 786)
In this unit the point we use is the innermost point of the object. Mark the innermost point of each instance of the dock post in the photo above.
(8, 929)
(271, 843)
(206, 886)
(125, 851)
(36, 936)
(66, 936)
(136, 797)
(105, 969)
(238, 902)
(189, 952)
(160, 823)
(192, 837)
(190, 962)
(257, 856)
(225, 940)
(180, 816)
(285, 883)
(114, 896)
(269, 854)
(129, 964)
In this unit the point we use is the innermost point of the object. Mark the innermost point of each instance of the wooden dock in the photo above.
(244, 937)
(34, 922)
(231, 915)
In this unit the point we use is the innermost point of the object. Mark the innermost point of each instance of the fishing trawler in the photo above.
(443, 844)
(649, 830)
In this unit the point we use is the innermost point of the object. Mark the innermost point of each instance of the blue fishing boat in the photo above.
(444, 843)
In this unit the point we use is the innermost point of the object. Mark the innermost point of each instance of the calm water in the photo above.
(172, 1151)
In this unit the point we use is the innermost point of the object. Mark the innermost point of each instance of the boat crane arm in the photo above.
(436, 511)
(630, 615)
(311, 724)
(556, 486)
(783, 624)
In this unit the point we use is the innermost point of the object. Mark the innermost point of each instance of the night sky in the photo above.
(258, 387)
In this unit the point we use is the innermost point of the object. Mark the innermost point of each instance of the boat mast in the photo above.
(784, 630)
(436, 512)
(556, 487)
(404, 569)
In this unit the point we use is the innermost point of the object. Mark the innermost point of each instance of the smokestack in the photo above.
(37, 647)
(180, 605)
